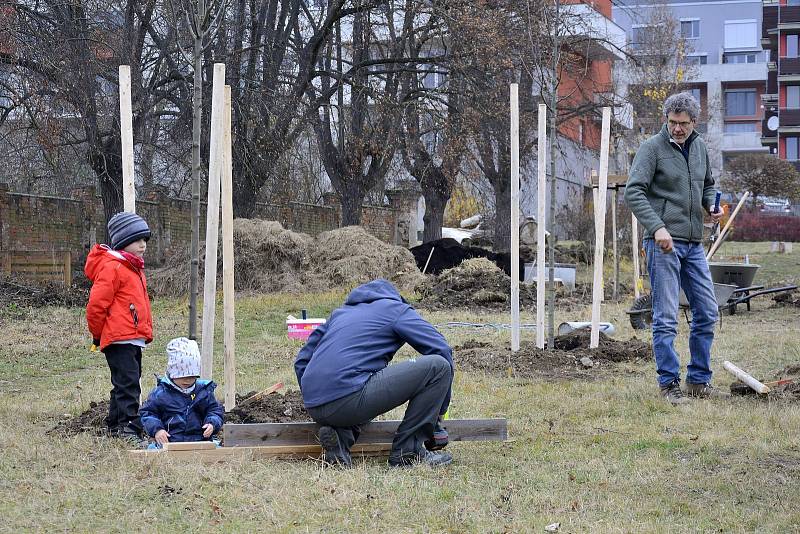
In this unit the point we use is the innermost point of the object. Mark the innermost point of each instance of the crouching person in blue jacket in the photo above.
(181, 407)
(346, 380)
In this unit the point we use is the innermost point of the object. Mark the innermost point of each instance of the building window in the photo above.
(739, 127)
(793, 2)
(741, 34)
(793, 96)
(792, 148)
(695, 93)
(740, 57)
(697, 60)
(740, 102)
(690, 29)
(639, 37)
(791, 46)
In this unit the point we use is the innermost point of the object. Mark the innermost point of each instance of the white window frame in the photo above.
(690, 19)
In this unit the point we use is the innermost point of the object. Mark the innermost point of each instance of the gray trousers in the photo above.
(423, 382)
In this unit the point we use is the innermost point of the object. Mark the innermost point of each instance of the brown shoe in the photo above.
(705, 391)
(673, 394)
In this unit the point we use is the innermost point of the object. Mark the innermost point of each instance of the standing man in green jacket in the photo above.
(670, 189)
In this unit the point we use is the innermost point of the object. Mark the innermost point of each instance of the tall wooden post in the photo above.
(229, 294)
(541, 195)
(514, 97)
(637, 275)
(212, 219)
(614, 241)
(126, 131)
(600, 229)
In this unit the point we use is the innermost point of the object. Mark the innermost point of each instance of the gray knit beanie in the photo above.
(124, 228)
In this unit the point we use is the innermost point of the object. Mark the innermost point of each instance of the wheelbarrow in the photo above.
(732, 287)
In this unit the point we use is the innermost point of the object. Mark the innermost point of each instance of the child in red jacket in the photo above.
(119, 315)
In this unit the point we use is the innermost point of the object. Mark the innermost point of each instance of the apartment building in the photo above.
(728, 67)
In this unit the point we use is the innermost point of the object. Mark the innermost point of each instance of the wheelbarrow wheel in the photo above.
(641, 313)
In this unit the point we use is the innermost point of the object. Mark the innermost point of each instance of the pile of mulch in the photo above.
(32, 294)
(272, 408)
(269, 258)
(92, 421)
(788, 298)
(572, 357)
(476, 283)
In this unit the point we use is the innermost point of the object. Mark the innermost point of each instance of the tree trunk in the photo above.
(502, 216)
(437, 193)
(352, 198)
(244, 192)
(107, 164)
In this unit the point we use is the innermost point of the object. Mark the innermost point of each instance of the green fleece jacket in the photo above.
(667, 189)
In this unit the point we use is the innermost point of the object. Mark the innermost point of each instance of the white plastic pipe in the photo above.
(754, 384)
(540, 229)
(514, 97)
(126, 133)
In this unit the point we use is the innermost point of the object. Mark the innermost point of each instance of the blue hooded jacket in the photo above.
(182, 415)
(359, 339)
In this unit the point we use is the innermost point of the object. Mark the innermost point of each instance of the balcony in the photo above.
(770, 20)
(789, 118)
(788, 17)
(742, 142)
(593, 35)
(789, 66)
(772, 82)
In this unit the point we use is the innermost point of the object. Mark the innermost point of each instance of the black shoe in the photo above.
(432, 459)
(440, 438)
(335, 454)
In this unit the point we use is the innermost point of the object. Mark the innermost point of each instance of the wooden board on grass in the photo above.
(298, 434)
(286, 452)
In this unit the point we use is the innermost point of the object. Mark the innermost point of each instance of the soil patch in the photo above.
(270, 258)
(32, 294)
(93, 421)
(272, 408)
(789, 298)
(571, 358)
(476, 283)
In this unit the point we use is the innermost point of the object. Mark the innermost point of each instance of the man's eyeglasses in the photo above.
(684, 125)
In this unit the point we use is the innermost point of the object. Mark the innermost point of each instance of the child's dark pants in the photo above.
(125, 363)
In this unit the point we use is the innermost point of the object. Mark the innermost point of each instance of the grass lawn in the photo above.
(602, 455)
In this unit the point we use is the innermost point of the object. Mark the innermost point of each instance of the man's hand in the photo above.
(663, 240)
(162, 437)
(717, 215)
(208, 429)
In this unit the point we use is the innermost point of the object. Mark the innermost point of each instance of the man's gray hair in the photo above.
(680, 102)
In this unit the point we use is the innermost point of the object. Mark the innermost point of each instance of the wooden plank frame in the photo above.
(377, 432)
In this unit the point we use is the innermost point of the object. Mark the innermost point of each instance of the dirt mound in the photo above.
(476, 283)
(449, 253)
(93, 420)
(789, 298)
(272, 408)
(571, 358)
(38, 294)
(270, 258)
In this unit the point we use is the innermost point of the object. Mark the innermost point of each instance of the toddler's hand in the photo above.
(208, 429)
(162, 437)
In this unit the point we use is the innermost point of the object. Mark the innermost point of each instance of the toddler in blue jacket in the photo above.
(181, 407)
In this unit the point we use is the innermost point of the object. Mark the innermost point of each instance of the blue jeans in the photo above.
(685, 267)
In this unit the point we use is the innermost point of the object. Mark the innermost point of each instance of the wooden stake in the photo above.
(541, 201)
(514, 217)
(430, 255)
(229, 295)
(600, 229)
(212, 220)
(635, 248)
(261, 394)
(614, 242)
(724, 232)
(126, 131)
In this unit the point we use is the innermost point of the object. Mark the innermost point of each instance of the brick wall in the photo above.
(40, 223)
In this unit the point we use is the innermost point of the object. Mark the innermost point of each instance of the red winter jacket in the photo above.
(118, 306)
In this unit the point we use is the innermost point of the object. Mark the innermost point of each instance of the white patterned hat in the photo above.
(183, 358)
